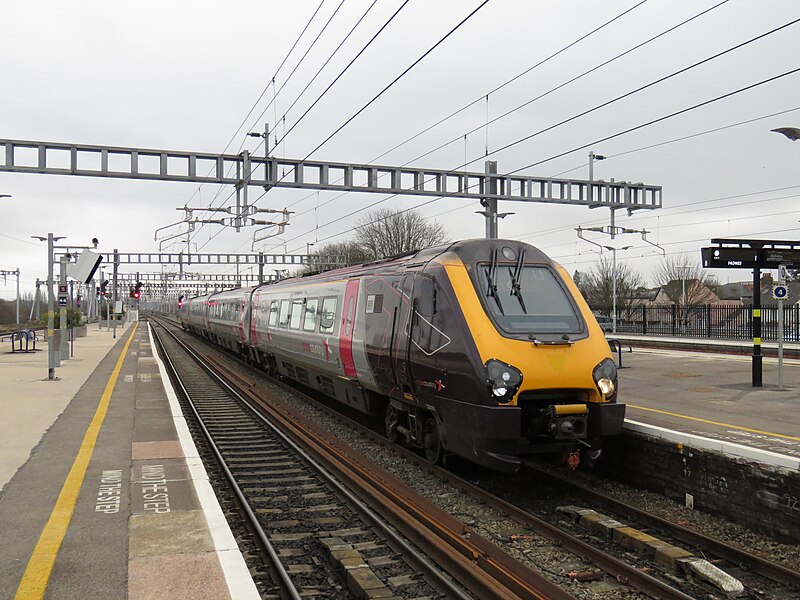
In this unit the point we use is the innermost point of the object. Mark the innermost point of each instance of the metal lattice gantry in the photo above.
(187, 259)
(243, 170)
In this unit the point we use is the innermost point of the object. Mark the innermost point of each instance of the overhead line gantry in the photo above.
(246, 170)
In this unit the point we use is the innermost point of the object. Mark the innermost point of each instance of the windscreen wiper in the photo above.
(516, 285)
(492, 291)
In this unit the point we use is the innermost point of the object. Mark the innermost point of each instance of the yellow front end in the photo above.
(565, 382)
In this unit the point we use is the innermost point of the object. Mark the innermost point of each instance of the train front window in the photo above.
(527, 299)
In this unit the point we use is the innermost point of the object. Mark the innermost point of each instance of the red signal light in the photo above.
(136, 294)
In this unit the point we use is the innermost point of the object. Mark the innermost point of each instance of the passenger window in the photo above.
(297, 313)
(273, 313)
(283, 320)
(327, 320)
(310, 320)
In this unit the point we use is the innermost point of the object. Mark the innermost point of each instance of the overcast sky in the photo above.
(185, 75)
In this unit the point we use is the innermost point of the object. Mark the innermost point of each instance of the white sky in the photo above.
(183, 76)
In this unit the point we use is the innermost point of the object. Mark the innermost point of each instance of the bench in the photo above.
(616, 346)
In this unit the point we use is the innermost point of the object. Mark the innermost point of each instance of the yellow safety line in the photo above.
(728, 425)
(37, 573)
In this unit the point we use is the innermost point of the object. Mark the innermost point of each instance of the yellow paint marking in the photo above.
(756, 312)
(728, 425)
(37, 573)
(756, 341)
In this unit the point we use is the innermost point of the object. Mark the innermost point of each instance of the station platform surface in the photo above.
(103, 494)
(710, 394)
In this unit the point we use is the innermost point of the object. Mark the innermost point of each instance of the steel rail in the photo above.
(761, 566)
(457, 548)
(284, 580)
(367, 512)
(618, 569)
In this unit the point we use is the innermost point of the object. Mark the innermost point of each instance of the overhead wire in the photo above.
(344, 70)
(616, 99)
(363, 49)
(256, 103)
(398, 78)
(606, 138)
(564, 84)
(325, 64)
(652, 121)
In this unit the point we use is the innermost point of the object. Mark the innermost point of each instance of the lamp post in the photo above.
(51, 351)
(593, 157)
(614, 284)
(3, 272)
(684, 269)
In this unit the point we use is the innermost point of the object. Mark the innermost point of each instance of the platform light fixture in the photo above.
(793, 133)
(51, 351)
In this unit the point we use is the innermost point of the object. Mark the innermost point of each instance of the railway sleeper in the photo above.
(678, 560)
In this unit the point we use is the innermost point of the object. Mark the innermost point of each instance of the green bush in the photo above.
(74, 318)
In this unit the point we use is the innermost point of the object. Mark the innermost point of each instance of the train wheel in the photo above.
(390, 422)
(432, 441)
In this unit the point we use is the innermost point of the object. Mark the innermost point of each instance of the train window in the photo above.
(327, 320)
(283, 320)
(273, 313)
(310, 321)
(425, 294)
(297, 313)
(528, 300)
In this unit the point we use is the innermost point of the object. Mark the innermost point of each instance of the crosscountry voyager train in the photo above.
(481, 348)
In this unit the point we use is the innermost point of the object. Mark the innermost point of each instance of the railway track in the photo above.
(316, 533)
(599, 556)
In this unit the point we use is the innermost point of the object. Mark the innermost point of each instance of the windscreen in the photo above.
(527, 299)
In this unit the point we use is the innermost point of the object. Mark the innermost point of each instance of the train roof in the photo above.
(469, 251)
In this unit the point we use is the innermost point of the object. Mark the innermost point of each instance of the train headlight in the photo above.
(605, 378)
(503, 379)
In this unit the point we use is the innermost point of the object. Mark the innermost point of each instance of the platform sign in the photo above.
(779, 291)
(62, 288)
(749, 258)
(62, 300)
(730, 258)
(773, 258)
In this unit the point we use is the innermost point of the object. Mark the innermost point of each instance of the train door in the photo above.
(400, 340)
(348, 325)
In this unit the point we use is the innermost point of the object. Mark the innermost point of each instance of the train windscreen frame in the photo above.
(524, 299)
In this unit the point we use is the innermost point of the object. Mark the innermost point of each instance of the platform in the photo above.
(711, 395)
(103, 493)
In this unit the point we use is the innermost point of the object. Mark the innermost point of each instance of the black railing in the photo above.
(706, 320)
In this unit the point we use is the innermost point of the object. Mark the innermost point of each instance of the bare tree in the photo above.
(387, 232)
(349, 252)
(685, 281)
(597, 285)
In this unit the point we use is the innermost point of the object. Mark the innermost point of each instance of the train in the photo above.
(484, 348)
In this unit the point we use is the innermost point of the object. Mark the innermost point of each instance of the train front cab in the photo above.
(548, 368)
(492, 390)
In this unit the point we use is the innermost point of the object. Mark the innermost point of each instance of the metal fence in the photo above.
(723, 322)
